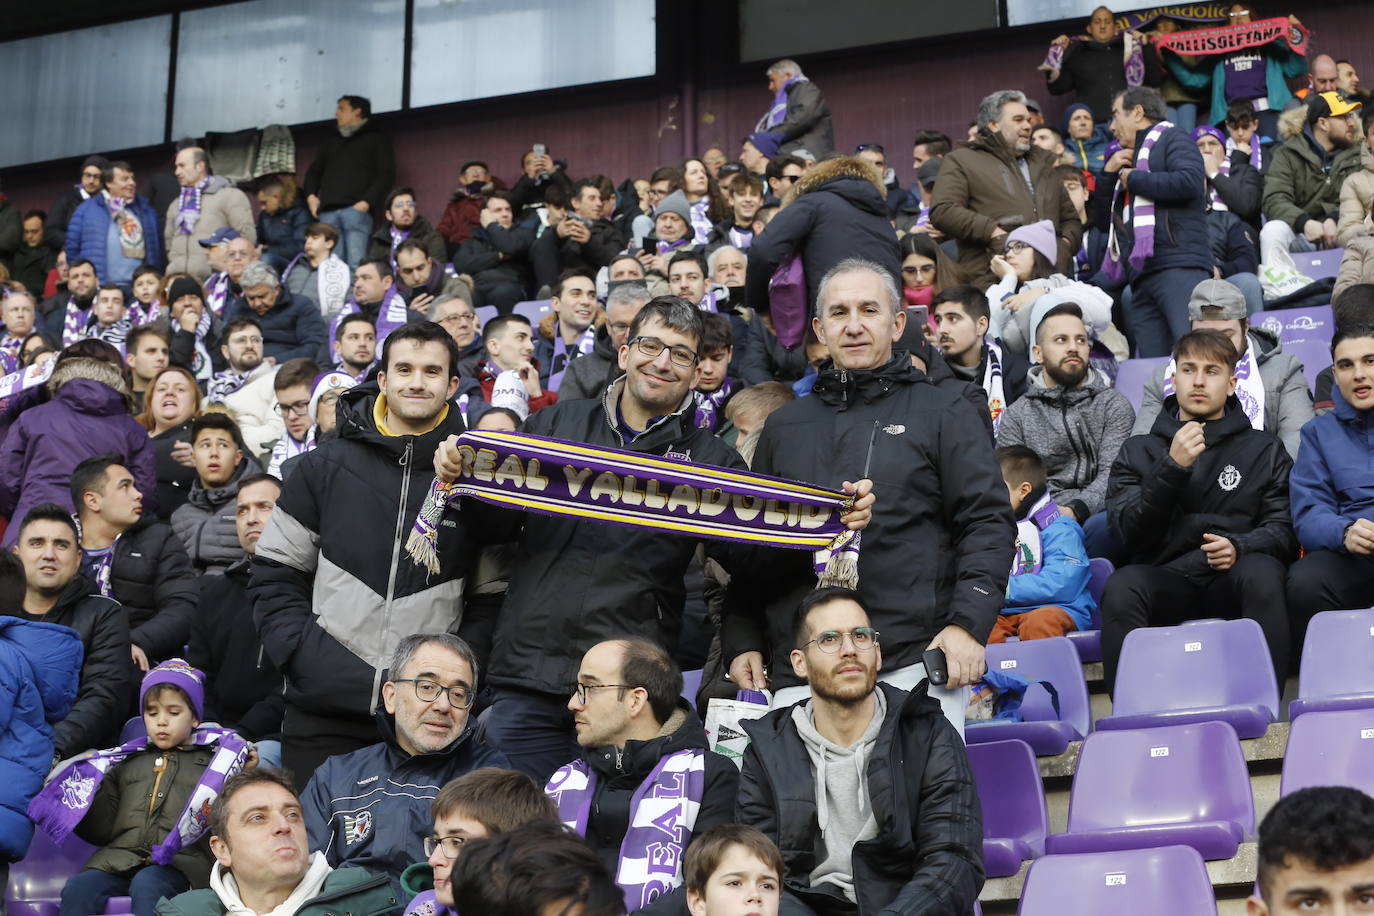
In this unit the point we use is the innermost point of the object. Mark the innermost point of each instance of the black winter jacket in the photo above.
(292, 327)
(576, 583)
(480, 256)
(927, 859)
(765, 359)
(1238, 487)
(350, 169)
(551, 255)
(1094, 72)
(421, 233)
(938, 548)
(1176, 183)
(109, 679)
(807, 124)
(207, 522)
(1235, 244)
(151, 576)
(283, 233)
(243, 689)
(333, 589)
(1242, 191)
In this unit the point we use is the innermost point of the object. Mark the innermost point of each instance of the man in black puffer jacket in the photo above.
(333, 590)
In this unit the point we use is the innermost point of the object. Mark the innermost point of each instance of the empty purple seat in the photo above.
(1012, 796)
(534, 309)
(1132, 375)
(1054, 660)
(36, 882)
(1089, 642)
(1336, 669)
(1315, 355)
(1333, 748)
(691, 683)
(485, 313)
(1289, 325)
(1141, 882)
(1319, 265)
(1216, 669)
(1180, 785)
(119, 906)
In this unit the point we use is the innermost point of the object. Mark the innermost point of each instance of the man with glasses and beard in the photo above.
(880, 772)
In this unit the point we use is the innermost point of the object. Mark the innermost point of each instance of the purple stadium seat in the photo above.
(36, 882)
(133, 728)
(1178, 785)
(1336, 671)
(1330, 749)
(1315, 355)
(1132, 375)
(1290, 325)
(1089, 642)
(1015, 819)
(485, 313)
(1054, 660)
(691, 683)
(1142, 882)
(1201, 671)
(534, 309)
(119, 906)
(1319, 265)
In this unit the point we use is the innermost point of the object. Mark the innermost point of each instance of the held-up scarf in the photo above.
(574, 480)
(586, 343)
(391, 314)
(188, 210)
(1142, 217)
(1192, 12)
(217, 292)
(711, 406)
(663, 811)
(1030, 553)
(74, 322)
(1132, 58)
(1230, 38)
(778, 113)
(130, 229)
(992, 384)
(1256, 154)
(1249, 386)
(64, 801)
(331, 283)
(24, 379)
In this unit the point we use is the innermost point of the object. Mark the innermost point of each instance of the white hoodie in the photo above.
(227, 889)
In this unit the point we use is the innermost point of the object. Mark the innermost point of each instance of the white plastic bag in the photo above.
(724, 735)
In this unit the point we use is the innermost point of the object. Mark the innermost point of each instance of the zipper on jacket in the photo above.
(159, 770)
(395, 560)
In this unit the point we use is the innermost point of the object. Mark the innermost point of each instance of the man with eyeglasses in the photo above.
(878, 771)
(404, 222)
(245, 386)
(420, 279)
(782, 172)
(292, 385)
(60, 213)
(497, 254)
(645, 784)
(291, 325)
(459, 318)
(371, 808)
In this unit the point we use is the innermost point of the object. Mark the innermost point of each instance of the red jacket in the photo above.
(486, 376)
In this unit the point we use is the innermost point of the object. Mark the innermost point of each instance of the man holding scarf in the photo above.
(207, 203)
(1152, 202)
(1102, 65)
(799, 116)
(376, 297)
(116, 230)
(1270, 384)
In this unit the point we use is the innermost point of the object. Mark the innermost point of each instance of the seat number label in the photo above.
(1116, 879)
(1366, 734)
(1007, 663)
(1192, 647)
(1159, 752)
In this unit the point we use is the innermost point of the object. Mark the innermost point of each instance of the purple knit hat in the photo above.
(1210, 131)
(1040, 236)
(766, 141)
(178, 673)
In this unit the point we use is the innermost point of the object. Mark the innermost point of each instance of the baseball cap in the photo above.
(1329, 105)
(220, 236)
(1216, 300)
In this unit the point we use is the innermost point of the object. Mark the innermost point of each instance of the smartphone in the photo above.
(937, 669)
(539, 149)
(918, 315)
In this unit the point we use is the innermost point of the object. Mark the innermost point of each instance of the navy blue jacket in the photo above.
(1332, 483)
(88, 233)
(372, 808)
(283, 233)
(292, 327)
(1235, 243)
(1177, 183)
(40, 664)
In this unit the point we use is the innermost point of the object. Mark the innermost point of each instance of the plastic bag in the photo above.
(724, 735)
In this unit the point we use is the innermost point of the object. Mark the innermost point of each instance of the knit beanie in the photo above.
(1068, 113)
(767, 142)
(1040, 236)
(675, 202)
(1210, 131)
(178, 673)
(184, 286)
(326, 382)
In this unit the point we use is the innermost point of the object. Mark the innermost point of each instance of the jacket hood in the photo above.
(666, 431)
(217, 183)
(356, 421)
(93, 398)
(417, 879)
(846, 167)
(1265, 343)
(1366, 158)
(54, 654)
(1233, 421)
(386, 727)
(844, 386)
(683, 731)
(209, 499)
(1037, 386)
(84, 367)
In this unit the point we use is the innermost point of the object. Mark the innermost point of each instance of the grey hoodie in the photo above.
(844, 810)
(1076, 432)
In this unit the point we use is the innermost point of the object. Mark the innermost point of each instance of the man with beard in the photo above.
(355, 346)
(1073, 419)
(245, 385)
(62, 315)
(961, 317)
(877, 771)
(404, 223)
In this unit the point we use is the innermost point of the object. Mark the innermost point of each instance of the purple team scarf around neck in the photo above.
(711, 406)
(1030, 554)
(64, 801)
(74, 322)
(188, 210)
(778, 112)
(665, 247)
(663, 811)
(637, 490)
(391, 314)
(1142, 215)
(562, 358)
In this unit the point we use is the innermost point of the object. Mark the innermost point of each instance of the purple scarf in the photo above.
(188, 210)
(391, 314)
(64, 801)
(1030, 553)
(217, 292)
(701, 223)
(1142, 216)
(561, 357)
(665, 247)
(398, 237)
(778, 113)
(74, 322)
(140, 314)
(663, 811)
(711, 407)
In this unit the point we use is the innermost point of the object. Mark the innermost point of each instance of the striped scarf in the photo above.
(992, 384)
(217, 292)
(778, 112)
(702, 227)
(711, 405)
(74, 322)
(1256, 154)
(188, 210)
(1142, 218)
(562, 356)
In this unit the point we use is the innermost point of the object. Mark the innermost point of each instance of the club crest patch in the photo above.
(1229, 478)
(894, 429)
(76, 791)
(357, 827)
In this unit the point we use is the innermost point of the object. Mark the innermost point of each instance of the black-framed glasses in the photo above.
(829, 641)
(679, 355)
(580, 690)
(791, 178)
(1016, 247)
(451, 845)
(300, 408)
(459, 695)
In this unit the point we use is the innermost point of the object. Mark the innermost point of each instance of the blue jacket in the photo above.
(283, 233)
(292, 327)
(1332, 483)
(40, 664)
(89, 231)
(1280, 63)
(1062, 579)
(1177, 183)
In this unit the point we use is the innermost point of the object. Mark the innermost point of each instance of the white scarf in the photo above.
(332, 279)
(992, 384)
(1249, 385)
(227, 889)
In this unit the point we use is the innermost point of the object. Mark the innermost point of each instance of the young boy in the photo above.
(147, 284)
(714, 388)
(733, 870)
(318, 273)
(483, 803)
(1078, 185)
(107, 321)
(147, 802)
(1047, 594)
(746, 196)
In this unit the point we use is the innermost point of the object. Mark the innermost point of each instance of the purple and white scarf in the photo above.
(140, 314)
(1030, 552)
(226, 383)
(113, 334)
(64, 801)
(1142, 215)
(711, 405)
(287, 447)
(398, 237)
(1132, 58)
(665, 247)
(11, 345)
(1256, 154)
(992, 384)
(701, 223)
(1249, 386)
(74, 322)
(188, 210)
(24, 379)
(391, 314)
(586, 343)
(778, 113)
(201, 366)
(741, 238)
(217, 292)
(663, 811)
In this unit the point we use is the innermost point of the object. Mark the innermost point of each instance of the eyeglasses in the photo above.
(240, 340)
(459, 696)
(451, 845)
(922, 269)
(793, 178)
(652, 346)
(829, 641)
(239, 255)
(580, 690)
(403, 205)
(460, 318)
(298, 409)
(1016, 247)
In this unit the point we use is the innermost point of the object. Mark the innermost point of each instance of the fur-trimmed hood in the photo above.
(96, 370)
(843, 167)
(550, 321)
